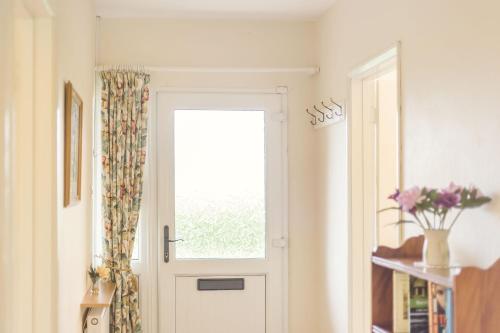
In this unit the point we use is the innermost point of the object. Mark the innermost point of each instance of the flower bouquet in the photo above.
(101, 272)
(436, 211)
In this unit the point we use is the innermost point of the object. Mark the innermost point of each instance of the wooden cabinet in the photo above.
(476, 292)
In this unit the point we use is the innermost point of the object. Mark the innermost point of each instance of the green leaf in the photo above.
(402, 222)
(389, 208)
(474, 203)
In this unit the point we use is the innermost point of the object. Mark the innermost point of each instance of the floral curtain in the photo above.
(124, 116)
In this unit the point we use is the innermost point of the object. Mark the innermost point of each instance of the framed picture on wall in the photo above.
(73, 112)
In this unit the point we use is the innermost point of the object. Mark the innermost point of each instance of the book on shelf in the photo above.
(419, 306)
(449, 310)
(433, 313)
(401, 297)
(440, 311)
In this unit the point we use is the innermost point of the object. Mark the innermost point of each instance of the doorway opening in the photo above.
(374, 157)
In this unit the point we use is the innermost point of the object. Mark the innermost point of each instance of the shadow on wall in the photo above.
(494, 206)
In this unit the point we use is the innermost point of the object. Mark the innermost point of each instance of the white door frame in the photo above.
(359, 244)
(149, 299)
(28, 166)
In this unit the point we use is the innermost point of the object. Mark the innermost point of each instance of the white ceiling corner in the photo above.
(238, 9)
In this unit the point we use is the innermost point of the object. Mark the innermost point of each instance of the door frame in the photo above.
(150, 298)
(359, 245)
(29, 222)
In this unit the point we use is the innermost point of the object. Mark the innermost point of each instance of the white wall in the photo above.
(242, 44)
(6, 83)
(75, 44)
(331, 163)
(44, 180)
(22, 191)
(451, 124)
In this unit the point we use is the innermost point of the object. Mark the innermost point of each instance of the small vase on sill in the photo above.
(436, 249)
(95, 287)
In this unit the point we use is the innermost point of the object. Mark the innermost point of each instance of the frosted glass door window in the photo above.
(220, 184)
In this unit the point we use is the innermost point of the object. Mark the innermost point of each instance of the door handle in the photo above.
(166, 243)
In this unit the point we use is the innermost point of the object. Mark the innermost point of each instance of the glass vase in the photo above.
(94, 290)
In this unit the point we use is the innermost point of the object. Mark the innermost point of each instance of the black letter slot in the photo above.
(221, 284)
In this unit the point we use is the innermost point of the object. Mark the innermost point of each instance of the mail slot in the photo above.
(221, 284)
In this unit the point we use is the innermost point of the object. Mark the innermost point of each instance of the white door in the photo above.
(380, 167)
(380, 156)
(221, 187)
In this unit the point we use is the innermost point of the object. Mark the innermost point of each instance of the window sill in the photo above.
(103, 299)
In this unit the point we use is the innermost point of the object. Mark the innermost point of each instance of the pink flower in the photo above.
(453, 188)
(449, 196)
(410, 198)
(448, 199)
(475, 192)
(395, 195)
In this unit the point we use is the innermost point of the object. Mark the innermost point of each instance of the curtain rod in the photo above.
(268, 70)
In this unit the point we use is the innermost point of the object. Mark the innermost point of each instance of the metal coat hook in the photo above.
(313, 122)
(322, 114)
(339, 106)
(328, 115)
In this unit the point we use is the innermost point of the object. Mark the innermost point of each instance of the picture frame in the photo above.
(73, 126)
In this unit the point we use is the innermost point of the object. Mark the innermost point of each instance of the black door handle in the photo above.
(166, 243)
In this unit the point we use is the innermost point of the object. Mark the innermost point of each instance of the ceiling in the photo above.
(251, 9)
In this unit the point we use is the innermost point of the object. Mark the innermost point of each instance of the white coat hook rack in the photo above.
(326, 113)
